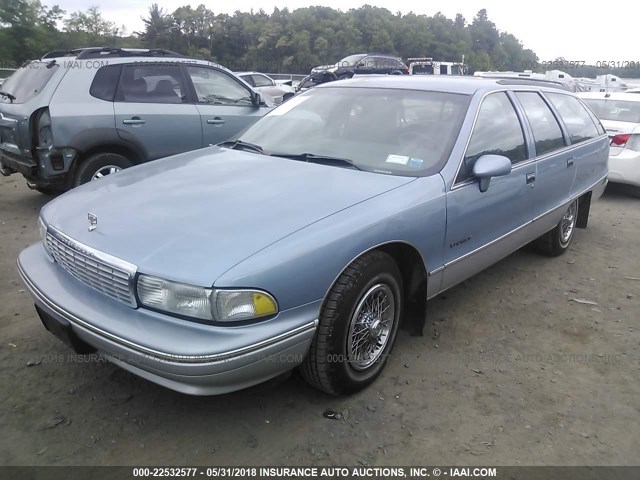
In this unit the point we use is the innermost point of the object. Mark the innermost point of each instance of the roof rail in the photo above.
(62, 53)
(530, 81)
(101, 52)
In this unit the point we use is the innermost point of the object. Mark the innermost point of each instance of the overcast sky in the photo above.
(576, 31)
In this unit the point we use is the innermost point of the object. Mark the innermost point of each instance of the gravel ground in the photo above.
(515, 368)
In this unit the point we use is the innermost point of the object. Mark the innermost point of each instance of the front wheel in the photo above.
(100, 165)
(357, 326)
(555, 242)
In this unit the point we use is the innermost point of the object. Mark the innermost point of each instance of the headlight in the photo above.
(204, 303)
(238, 305)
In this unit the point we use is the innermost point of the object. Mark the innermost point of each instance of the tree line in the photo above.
(282, 41)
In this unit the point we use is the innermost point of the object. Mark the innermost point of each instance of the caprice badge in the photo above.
(93, 222)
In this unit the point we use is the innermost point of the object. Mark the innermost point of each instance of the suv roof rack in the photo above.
(62, 53)
(101, 52)
(530, 81)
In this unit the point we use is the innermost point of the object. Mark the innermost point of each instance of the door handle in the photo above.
(134, 121)
(215, 121)
(569, 162)
(531, 178)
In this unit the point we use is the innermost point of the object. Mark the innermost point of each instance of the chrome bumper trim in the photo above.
(157, 355)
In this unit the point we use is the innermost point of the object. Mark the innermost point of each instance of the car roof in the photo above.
(466, 85)
(250, 73)
(632, 97)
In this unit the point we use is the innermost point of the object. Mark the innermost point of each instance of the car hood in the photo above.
(193, 216)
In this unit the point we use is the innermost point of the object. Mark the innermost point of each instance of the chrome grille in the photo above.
(104, 273)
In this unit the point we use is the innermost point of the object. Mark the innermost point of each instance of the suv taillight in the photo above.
(44, 137)
(620, 140)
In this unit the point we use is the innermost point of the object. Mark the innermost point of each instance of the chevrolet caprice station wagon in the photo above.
(306, 241)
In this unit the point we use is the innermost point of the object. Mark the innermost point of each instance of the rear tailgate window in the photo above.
(27, 82)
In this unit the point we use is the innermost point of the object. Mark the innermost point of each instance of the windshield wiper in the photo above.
(241, 145)
(314, 158)
(8, 95)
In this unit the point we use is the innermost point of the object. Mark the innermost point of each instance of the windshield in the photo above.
(393, 131)
(616, 110)
(28, 81)
(351, 60)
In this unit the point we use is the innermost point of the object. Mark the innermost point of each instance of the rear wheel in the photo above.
(357, 326)
(555, 242)
(100, 165)
(47, 190)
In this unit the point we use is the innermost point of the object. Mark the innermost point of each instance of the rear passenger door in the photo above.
(589, 147)
(152, 110)
(555, 170)
(483, 227)
(224, 103)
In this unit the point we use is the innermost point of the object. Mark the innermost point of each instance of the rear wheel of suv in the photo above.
(100, 165)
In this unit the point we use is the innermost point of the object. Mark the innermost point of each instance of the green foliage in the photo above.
(282, 41)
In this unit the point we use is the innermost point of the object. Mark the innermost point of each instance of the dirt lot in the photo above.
(511, 371)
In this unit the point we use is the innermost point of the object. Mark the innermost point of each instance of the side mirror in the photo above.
(488, 166)
(256, 99)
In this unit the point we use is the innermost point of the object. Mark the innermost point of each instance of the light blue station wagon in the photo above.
(309, 239)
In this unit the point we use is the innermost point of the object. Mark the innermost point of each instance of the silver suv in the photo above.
(76, 116)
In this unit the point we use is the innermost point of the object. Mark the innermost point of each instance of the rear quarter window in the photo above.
(578, 120)
(105, 82)
(27, 82)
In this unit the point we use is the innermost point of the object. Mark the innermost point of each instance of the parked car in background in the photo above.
(311, 237)
(619, 112)
(67, 120)
(265, 85)
(363, 64)
(429, 66)
(315, 79)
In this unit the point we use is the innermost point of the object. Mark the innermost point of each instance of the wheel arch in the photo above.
(414, 280)
(130, 153)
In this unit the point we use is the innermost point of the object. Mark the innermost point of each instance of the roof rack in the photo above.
(101, 52)
(529, 81)
(62, 53)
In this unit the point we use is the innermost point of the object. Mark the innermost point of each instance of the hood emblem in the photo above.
(93, 222)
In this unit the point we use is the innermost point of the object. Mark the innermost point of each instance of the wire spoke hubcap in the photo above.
(568, 222)
(104, 171)
(370, 327)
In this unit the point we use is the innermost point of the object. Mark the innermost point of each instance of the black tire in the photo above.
(90, 166)
(48, 190)
(327, 366)
(344, 76)
(555, 242)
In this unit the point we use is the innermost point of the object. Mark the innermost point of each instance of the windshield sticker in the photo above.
(415, 163)
(399, 159)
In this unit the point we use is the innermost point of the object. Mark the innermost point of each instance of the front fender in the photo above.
(302, 267)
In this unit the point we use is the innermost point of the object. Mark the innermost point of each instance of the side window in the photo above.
(151, 83)
(546, 130)
(574, 115)
(497, 131)
(262, 81)
(105, 82)
(248, 79)
(214, 87)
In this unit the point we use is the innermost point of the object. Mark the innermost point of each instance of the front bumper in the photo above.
(185, 356)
